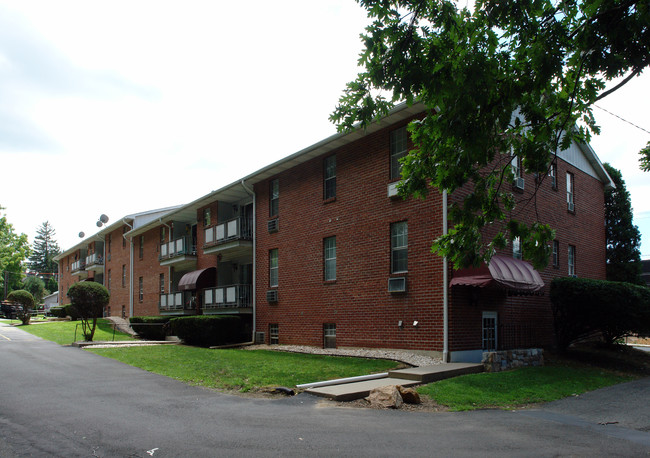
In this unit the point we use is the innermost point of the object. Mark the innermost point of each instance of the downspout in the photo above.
(254, 300)
(169, 268)
(130, 268)
(445, 286)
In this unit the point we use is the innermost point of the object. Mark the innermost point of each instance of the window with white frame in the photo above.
(141, 289)
(556, 254)
(552, 173)
(516, 248)
(162, 283)
(274, 197)
(570, 189)
(274, 334)
(398, 149)
(329, 256)
(399, 247)
(572, 260)
(273, 267)
(329, 177)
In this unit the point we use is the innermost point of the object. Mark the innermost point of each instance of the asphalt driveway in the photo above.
(63, 401)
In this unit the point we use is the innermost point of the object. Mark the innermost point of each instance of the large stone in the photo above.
(409, 395)
(387, 397)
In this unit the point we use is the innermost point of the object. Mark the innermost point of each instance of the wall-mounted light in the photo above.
(400, 324)
(415, 323)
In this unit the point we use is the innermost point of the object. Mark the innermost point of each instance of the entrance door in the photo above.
(489, 331)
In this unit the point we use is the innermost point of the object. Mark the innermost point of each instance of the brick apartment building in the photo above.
(317, 249)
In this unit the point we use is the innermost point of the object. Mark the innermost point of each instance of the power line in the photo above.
(622, 119)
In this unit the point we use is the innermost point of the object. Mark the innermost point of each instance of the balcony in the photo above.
(180, 253)
(228, 299)
(78, 268)
(231, 239)
(176, 304)
(95, 263)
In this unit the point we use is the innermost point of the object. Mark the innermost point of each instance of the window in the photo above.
(398, 147)
(162, 283)
(399, 247)
(206, 217)
(489, 331)
(556, 254)
(123, 275)
(516, 248)
(572, 261)
(123, 311)
(329, 335)
(274, 334)
(273, 267)
(274, 197)
(329, 177)
(329, 255)
(141, 252)
(108, 282)
(140, 289)
(515, 166)
(110, 240)
(570, 191)
(552, 173)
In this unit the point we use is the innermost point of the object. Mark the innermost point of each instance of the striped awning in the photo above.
(502, 272)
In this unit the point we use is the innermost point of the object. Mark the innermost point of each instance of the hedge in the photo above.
(62, 311)
(208, 331)
(150, 327)
(582, 307)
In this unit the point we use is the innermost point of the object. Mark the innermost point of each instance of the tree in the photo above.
(623, 237)
(26, 300)
(14, 249)
(44, 249)
(36, 288)
(506, 78)
(89, 299)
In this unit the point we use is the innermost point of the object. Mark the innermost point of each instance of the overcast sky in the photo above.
(120, 107)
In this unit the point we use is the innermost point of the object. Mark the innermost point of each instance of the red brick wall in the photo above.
(148, 267)
(531, 315)
(118, 256)
(358, 302)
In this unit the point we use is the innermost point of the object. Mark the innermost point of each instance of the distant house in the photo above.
(51, 301)
(318, 249)
(645, 272)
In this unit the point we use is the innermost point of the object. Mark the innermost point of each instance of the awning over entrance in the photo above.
(197, 279)
(502, 272)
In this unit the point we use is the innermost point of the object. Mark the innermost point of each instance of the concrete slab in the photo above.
(356, 390)
(428, 374)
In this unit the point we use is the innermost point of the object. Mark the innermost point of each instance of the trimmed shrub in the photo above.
(58, 311)
(26, 300)
(150, 327)
(207, 331)
(71, 311)
(582, 307)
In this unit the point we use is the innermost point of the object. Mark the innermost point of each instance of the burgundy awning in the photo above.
(502, 272)
(197, 279)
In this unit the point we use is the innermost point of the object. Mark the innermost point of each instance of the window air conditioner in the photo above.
(272, 295)
(397, 285)
(392, 190)
(259, 337)
(272, 225)
(519, 183)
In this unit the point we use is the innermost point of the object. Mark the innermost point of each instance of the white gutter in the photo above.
(254, 302)
(445, 287)
(130, 268)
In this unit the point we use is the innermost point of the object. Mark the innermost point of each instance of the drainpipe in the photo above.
(445, 286)
(130, 268)
(254, 298)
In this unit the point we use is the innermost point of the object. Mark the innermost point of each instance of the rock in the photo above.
(409, 395)
(387, 397)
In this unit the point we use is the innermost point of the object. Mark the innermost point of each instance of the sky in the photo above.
(121, 107)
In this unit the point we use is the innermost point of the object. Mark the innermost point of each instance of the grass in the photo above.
(63, 332)
(242, 370)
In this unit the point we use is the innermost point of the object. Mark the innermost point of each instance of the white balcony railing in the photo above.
(78, 265)
(227, 296)
(94, 259)
(176, 247)
(234, 229)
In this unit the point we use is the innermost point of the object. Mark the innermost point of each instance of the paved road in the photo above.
(63, 401)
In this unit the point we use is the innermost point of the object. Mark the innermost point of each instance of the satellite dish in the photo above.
(103, 218)
(81, 235)
(99, 224)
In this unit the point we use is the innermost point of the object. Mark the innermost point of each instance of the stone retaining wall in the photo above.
(496, 361)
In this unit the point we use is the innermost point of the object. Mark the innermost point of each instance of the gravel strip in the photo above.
(404, 356)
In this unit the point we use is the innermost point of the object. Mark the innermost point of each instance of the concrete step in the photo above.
(356, 390)
(404, 377)
(428, 374)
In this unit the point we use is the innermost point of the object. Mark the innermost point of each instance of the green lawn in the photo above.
(63, 332)
(519, 387)
(242, 370)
